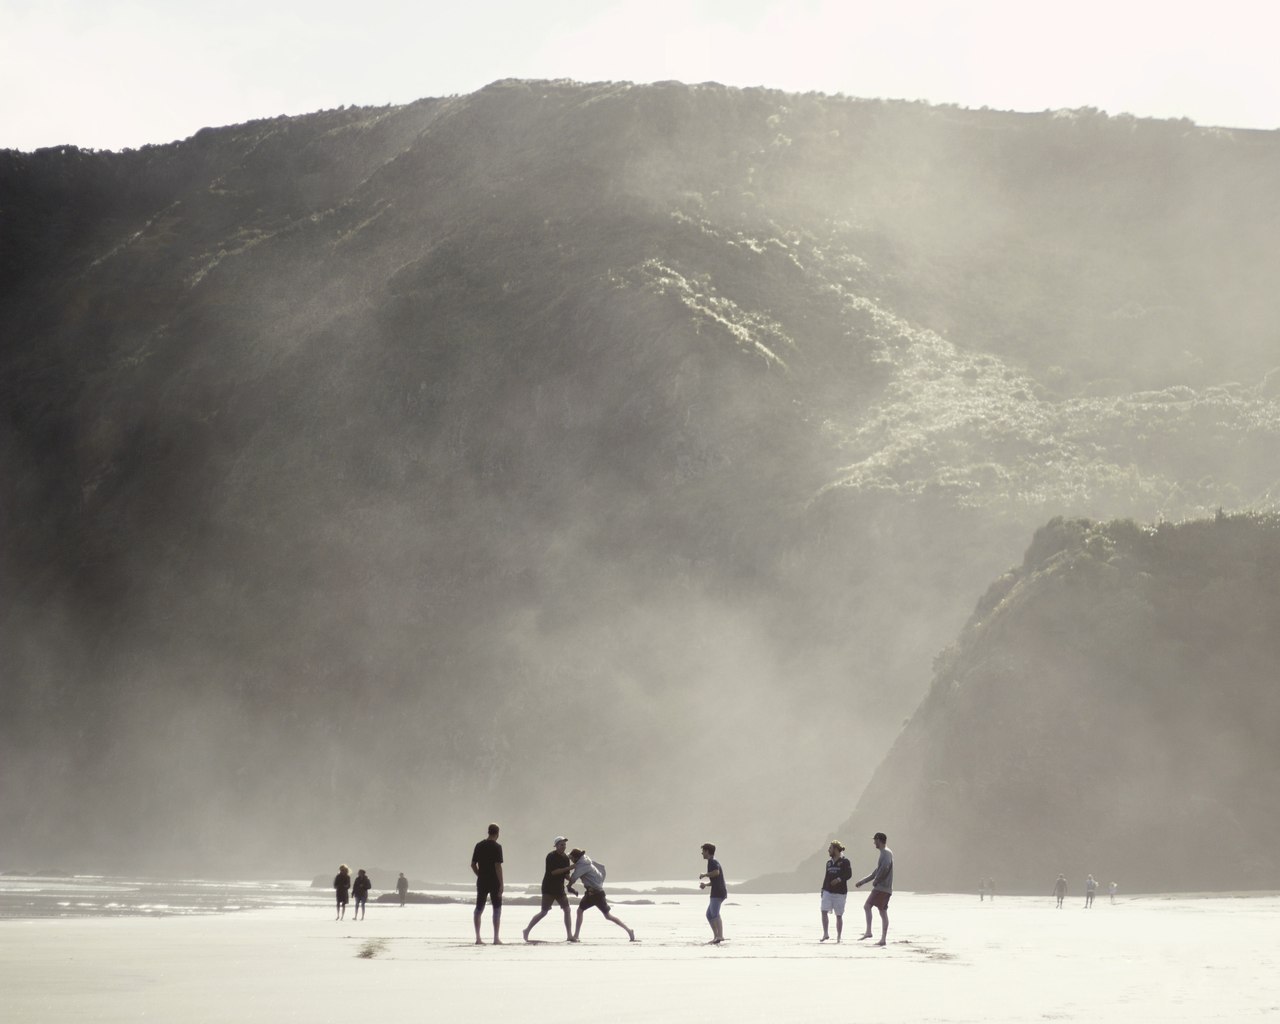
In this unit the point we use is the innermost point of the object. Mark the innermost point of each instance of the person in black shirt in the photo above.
(360, 890)
(714, 876)
(402, 887)
(342, 889)
(486, 862)
(558, 868)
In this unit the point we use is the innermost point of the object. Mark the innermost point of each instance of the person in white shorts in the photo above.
(835, 888)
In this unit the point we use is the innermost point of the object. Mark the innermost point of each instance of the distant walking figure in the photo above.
(1090, 888)
(402, 887)
(360, 890)
(881, 880)
(835, 888)
(553, 879)
(486, 864)
(592, 875)
(1111, 891)
(714, 876)
(342, 889)
(991, 889)
(1060, 890)
(982, 889)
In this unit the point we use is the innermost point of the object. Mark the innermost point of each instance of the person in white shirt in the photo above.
(592, 876)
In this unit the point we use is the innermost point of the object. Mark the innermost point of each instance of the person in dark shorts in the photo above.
(402, 888)
(553, 879)
(835, 888)
(881, 880)
(714, 876)
(592, 876)
(486, 863)
(360, 890)
(342, 889)
(1060, 889)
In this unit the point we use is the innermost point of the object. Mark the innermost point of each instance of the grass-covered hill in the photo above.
(1111, 708)
(428, 457)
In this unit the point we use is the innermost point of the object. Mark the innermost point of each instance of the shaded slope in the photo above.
(400, 451)
(1111, 709)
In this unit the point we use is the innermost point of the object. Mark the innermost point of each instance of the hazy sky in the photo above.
(115, 73)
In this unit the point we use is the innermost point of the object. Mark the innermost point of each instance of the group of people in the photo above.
(564, 870)
(1090, 890)
(835, 889)
(347, 888)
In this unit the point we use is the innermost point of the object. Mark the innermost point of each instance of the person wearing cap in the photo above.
(881, 880)
(714, 876)
(592, 876)
(558, 868)
(835, 888)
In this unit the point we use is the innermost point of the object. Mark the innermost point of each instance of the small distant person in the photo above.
(360, 890)
(486, 864)
(402, 888)
(982, 889)
(1111, 891)
(881, 880)
(342, 889)
(1090, 888)
(991, 889)
(592, 876)
(553, 879)
(835, 888)
(714, 876)
(1060, 889)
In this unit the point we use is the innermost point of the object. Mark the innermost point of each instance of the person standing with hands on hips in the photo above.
(714, 876)
(881, 880)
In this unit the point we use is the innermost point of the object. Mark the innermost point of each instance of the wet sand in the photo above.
(949, 959)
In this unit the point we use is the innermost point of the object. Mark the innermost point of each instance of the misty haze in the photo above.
(649, 465)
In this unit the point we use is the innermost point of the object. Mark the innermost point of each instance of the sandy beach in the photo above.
(949, 959)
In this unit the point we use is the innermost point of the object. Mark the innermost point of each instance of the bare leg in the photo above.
(477, 923)
(884, 926)
(577, 928)
(867, 909)
(568, 928)
(630, 934)
(839, 926)
(825, 936)
(497, 920)
(536, 918)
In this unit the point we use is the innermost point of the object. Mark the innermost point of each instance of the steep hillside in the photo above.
(425, 455)
(1111, 708)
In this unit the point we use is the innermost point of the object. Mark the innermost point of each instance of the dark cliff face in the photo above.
(1111, 710)
(428, 456)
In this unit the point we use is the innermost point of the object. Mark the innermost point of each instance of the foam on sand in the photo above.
(949, 958)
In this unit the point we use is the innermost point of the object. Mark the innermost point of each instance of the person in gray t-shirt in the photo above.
(881, 880)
